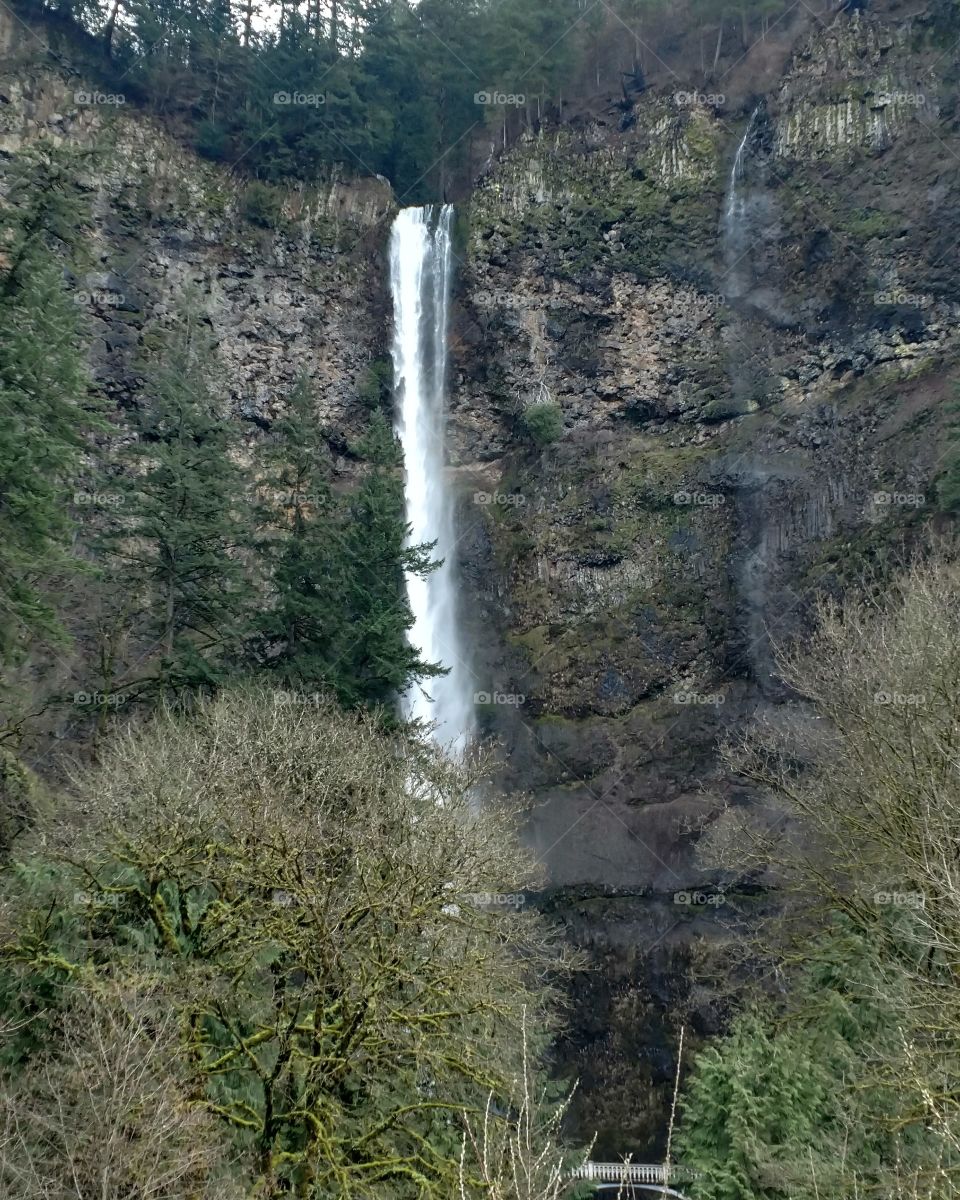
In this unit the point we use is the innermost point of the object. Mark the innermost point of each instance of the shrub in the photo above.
(263, 205)
(543, 422)
(377, 383)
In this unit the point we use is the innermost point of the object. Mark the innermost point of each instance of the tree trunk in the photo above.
(192, 41)
(109, 28)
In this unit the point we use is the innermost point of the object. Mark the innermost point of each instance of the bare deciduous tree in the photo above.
(863, 777)
(106, 1117)
(343, 934)
(519, 1159)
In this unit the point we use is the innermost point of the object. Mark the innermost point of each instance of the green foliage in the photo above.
(841, 1088)
(386, 86)
(295, 634)
(198, 585)
(263, 205)
(379, 662)
(18, 799)
(277, 879)
(377, 384)
(791, 1104)
(543, 422)
(181, 523)
(752, 1096)
(339, 615)
(45, 413)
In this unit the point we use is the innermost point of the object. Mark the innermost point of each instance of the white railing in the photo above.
(631, 1173)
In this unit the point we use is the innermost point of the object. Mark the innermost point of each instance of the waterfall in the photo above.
(746, 228)
(421, 262)
(736, 224)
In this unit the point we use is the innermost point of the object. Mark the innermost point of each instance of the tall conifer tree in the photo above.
(45, 409)
(184, 526)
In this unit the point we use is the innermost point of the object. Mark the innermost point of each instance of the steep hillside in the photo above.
(287, 281)
(704, 352)
(754, 373)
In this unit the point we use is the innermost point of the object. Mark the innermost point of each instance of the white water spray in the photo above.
(736, 224)
(421, 261)
(736, 171)
(746, 220)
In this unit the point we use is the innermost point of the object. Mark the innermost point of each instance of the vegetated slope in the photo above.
(734, 436)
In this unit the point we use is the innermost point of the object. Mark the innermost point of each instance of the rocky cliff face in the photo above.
(750, 415)
(289, 280)
(752, 408)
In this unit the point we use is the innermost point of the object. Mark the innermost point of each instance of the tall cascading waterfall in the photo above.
(736, 224)
(743, 228)
(421, 265)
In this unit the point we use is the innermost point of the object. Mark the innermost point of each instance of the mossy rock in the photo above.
(604, 212)
(867, 223)
(726, 408)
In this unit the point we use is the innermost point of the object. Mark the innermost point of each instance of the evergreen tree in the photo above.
(394, 80)
(340, 614)
(45, 412)
(181, 530)
(295, 635)
(756, 1099)
(808, 1100)
(377, 662)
